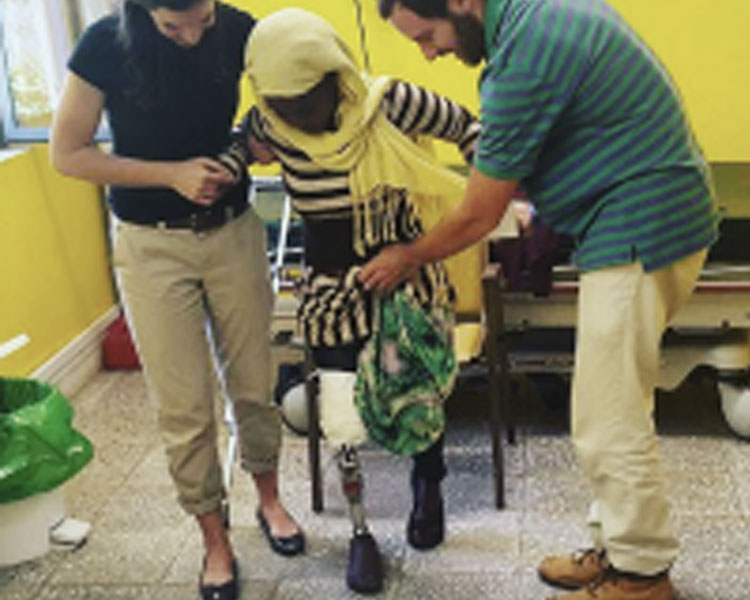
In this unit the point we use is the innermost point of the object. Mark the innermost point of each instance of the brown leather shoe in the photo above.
(573, 571)
(615, 585)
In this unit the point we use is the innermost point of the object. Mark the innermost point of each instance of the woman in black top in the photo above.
(189, 253)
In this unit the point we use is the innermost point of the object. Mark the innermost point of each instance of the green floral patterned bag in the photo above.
(406, 370)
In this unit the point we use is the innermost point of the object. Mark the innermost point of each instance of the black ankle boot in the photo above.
(364, 574)
(426, 527)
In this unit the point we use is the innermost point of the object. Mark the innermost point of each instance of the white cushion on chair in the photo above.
(467, 341)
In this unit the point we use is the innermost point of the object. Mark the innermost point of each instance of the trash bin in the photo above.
(39, 450)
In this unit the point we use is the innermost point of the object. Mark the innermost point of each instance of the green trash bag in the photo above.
(39, 449)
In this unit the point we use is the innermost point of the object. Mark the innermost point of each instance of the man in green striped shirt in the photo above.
(577, 108)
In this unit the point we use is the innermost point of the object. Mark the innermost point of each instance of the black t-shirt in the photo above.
(191, 114)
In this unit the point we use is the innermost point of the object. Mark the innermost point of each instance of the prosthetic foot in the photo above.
(364, 573)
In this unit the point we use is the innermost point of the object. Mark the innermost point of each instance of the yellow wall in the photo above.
(53, 259)
(706, 46)
(704, 43)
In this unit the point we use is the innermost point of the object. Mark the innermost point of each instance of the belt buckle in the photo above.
(194, 222)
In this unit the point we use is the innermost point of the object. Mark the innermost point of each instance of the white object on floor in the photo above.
(25, 526)
(735, 404)
(69, 534)
(13, 344)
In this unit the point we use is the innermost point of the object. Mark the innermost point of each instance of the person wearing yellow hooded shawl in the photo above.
(361, 180)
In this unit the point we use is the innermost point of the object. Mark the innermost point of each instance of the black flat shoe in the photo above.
(226, 591)
(286, 546)
(426, 526)
(364, 573)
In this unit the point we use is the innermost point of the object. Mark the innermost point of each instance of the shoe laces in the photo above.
(582, 555)
(609, 575)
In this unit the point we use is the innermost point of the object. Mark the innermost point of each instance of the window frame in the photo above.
(64, 26)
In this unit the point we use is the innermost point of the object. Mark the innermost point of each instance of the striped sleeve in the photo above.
(519, 109)
(237, 155)
(254, 125)
(415, 110)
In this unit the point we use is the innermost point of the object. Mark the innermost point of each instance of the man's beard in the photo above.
(470, 36)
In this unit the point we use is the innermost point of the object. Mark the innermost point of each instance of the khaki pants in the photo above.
(192, 300)
(622, 314)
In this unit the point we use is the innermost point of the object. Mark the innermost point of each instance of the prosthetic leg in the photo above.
(364, 572)
(344, 430)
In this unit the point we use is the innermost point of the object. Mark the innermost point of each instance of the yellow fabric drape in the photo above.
(289, 52)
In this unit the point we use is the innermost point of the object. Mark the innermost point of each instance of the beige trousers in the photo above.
(622, 314)
(195, 301)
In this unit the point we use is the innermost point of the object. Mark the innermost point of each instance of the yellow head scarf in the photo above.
(289, 52)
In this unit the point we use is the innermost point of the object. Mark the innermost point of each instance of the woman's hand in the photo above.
(200, 180)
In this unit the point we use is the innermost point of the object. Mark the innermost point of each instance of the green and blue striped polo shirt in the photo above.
(578, 108)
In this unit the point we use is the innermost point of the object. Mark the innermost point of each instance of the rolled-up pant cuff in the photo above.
(258, 466)
(202, 507)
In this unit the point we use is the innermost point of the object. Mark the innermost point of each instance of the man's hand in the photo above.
(200, 180)
(389, 268)
(484, 205)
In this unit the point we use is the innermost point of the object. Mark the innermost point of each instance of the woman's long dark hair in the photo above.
(151, 56)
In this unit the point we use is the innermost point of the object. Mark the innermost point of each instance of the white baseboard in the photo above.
(78, 361)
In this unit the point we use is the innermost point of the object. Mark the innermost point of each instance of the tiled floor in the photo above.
(143, 547)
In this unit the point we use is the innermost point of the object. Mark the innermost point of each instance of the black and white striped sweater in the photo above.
(335, 309)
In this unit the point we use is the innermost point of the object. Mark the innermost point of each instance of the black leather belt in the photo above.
(205, 220)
